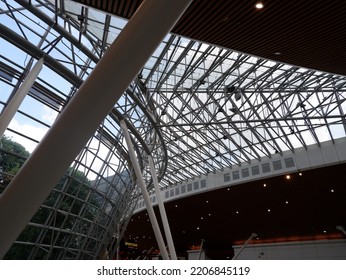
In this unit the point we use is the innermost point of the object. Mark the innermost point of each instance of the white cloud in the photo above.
(49, 115)
(27, 129)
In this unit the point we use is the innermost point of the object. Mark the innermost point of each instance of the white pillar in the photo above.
(252, 236)
(162, 210)
(84, 113)
(17, 99)
(201, 249)
(145, 194)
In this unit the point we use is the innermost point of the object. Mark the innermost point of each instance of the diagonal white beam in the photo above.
(17, 99)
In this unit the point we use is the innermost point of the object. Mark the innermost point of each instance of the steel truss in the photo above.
(195, 108)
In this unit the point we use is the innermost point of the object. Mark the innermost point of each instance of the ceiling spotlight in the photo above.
(259, 5)
(230, 88)
(288, 177)
(233, 109)
(237, 95)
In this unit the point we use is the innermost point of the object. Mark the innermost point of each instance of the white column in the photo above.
(17, 99)
(201, 249)
(252, 236)
(84, 113)
(145, 194)
(162, 210)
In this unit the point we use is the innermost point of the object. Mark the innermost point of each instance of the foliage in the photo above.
(72, 205)
(12, 157)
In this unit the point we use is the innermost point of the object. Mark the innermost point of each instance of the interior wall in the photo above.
(307, 250)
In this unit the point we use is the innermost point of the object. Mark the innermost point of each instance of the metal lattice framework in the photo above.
(196, 108)
(90, 207)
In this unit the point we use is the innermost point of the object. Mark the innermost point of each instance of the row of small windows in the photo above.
(186, 188)
(245, 172)
(255, 170)
(141, 204)
(177, 191)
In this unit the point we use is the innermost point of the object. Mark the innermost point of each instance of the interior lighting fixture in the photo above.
(331, 190)
(259, 5)
(268, 210)
(264, 185)
(300, 174)
(238, 94)
(288, 177)
(230, 88)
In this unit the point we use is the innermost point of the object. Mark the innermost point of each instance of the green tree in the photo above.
(73, 196)
(12, 157)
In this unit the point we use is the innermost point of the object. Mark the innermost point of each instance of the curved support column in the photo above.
(145, 194)
(162, 209)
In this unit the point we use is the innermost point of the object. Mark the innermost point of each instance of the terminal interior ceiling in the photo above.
(232, 84)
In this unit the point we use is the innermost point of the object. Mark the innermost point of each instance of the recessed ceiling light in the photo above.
(286, 202)
(202, 218)
(207, 201)
(237, 212)
(288, 177)
(259, 5)
(268, 210)
(331, 190)
(264, 185)
(324, 231)
(300, 174)
(277, 53)
(197, 228)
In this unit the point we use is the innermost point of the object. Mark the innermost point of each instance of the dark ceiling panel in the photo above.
(306, 33)
(306, 207)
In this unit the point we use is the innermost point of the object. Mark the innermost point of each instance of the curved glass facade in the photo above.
(196, 108)
(87, 212)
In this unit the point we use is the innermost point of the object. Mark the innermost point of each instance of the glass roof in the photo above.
(215, 107)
